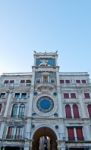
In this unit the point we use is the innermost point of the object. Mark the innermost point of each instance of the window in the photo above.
(21, 111)
(68, 111)
(0, 107)
(24, 95)
(83, 81)
(73, 95)
(28, 81)
(78, 81)
(15, 132)
(62, 81)
(89, 110)
(6, 81)
(2, 95)
(38, 81)
(10, 133)
(71, 133)
(52, 81)
(11, 81)
(75, 111)
(22, 81)
(67, 81)
(66, 95)
(87, 95)
(17, 95)
(79, 133)
(14, 110)
(19, 132)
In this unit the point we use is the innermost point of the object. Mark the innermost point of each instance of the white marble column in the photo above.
(60, 111)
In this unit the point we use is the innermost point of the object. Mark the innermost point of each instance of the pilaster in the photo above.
(86, 131)
(81, 101)
(8, 104)
(60, 111)
(29, 112)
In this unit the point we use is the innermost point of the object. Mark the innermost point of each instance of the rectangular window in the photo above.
(38, 81)
(2, 95)
(24, 95)
(78, 81)
(22, 81)
(87, 95)
(79, 133)
(52, 81)
(15, 132)
(6, 81)
(61, 81)
(84, 81)
(17, 95)
(19, 132)
(73, 95)
(66, 95)
(10, 133)
(11, 81)
(28, 81)
(71, 133)
(67, 81)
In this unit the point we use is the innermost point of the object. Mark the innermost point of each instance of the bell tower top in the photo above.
(45, 59)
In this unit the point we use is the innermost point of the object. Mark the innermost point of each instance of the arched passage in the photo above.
(46, 137)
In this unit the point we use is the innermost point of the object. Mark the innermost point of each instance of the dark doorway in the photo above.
(44, 139)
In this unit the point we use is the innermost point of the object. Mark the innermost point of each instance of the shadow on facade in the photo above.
(78, 148)
(44, 139)
(12, 148)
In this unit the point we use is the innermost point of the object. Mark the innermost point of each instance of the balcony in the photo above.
(45, 85)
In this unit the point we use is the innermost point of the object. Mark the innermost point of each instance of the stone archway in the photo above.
(48, 137)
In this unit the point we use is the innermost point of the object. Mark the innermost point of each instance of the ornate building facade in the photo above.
(45, 109)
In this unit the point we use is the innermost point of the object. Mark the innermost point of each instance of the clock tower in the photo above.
(47, 111)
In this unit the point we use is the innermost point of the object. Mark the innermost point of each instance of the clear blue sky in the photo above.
(45, 25)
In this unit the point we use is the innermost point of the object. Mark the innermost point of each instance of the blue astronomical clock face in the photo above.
(45, 104)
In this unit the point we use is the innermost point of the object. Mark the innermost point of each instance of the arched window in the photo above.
(75, 111)
(89, 110)
(14, 110)
(0, 108)
(21, 110)
(68, 111)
